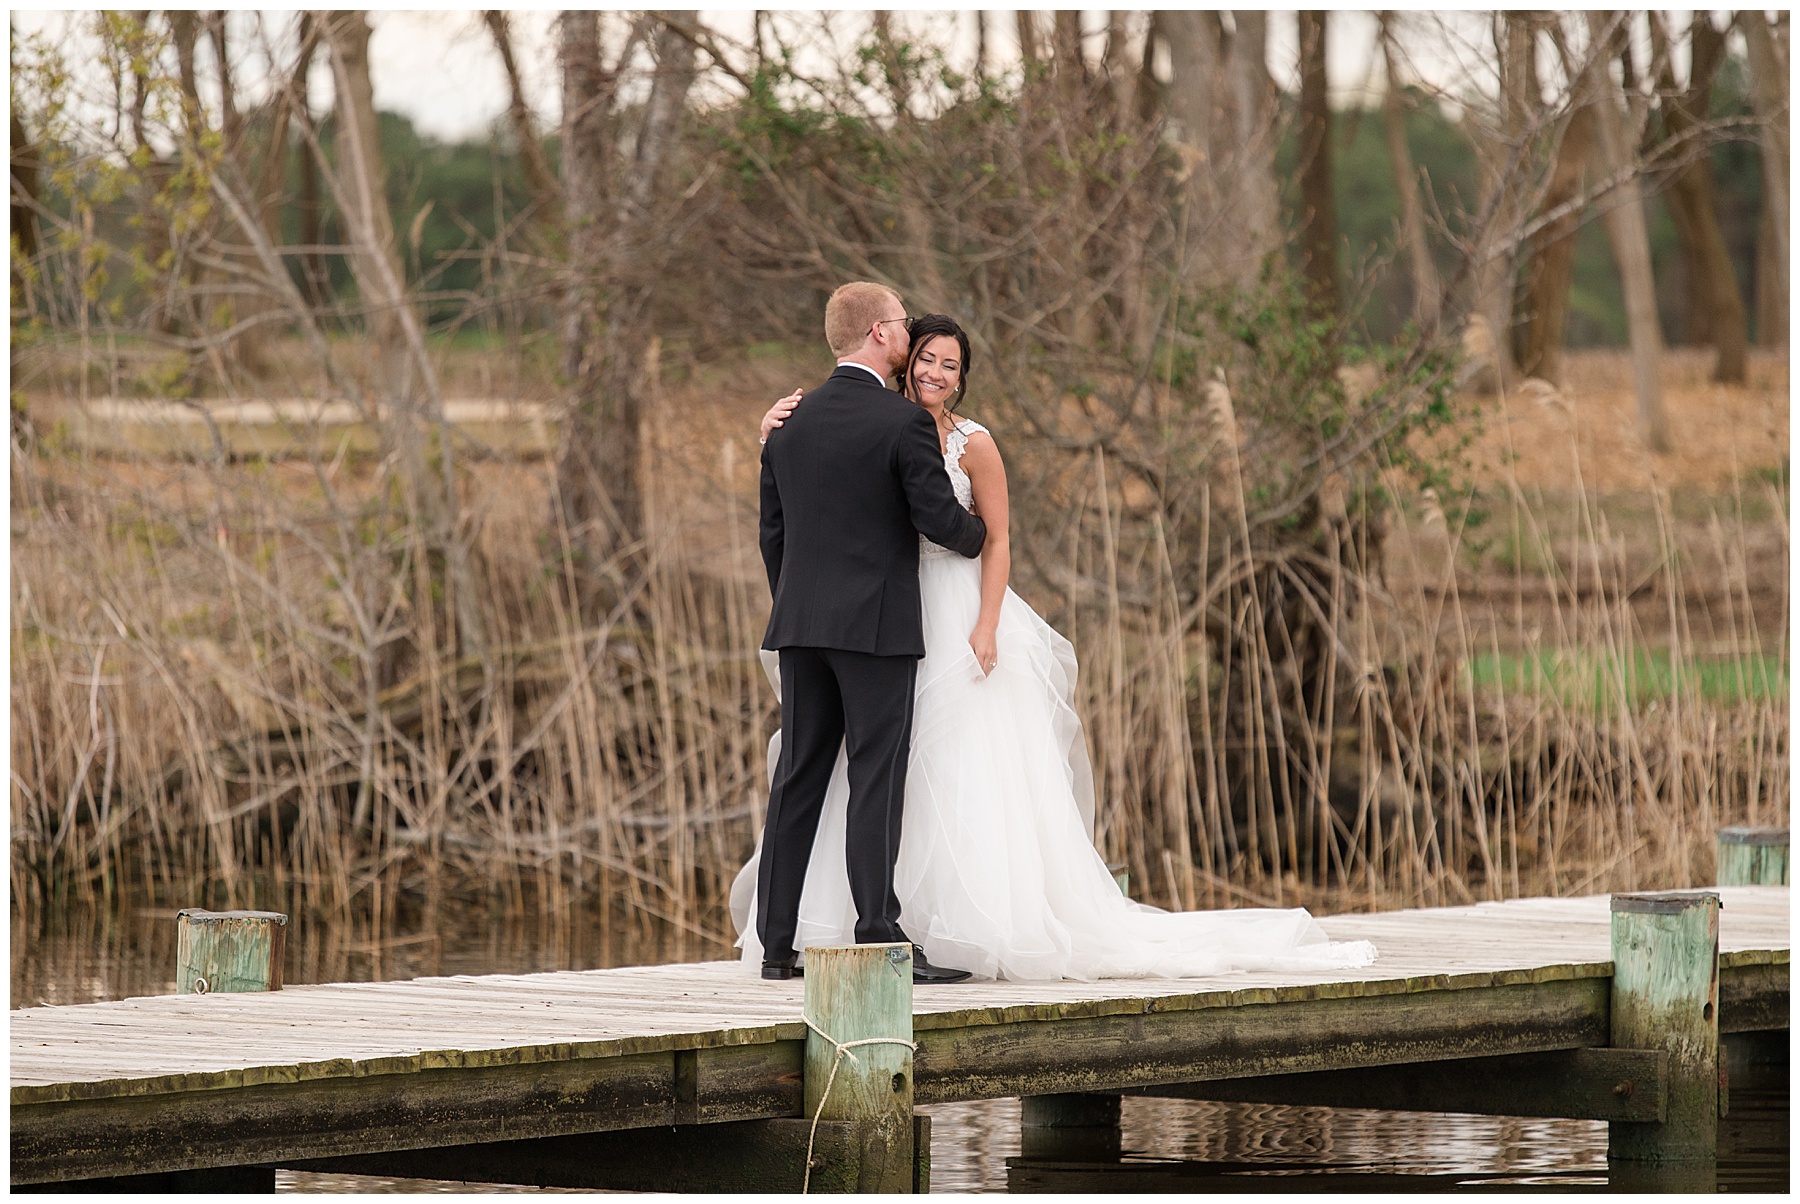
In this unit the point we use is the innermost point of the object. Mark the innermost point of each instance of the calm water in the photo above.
(1169, 1145)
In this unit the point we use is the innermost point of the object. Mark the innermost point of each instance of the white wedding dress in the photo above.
(997, 871)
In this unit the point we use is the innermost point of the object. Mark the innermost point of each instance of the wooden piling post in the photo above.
(1070, 1128)
(229, 951)
(862, 993)
(1665, 995)
(1753, 857)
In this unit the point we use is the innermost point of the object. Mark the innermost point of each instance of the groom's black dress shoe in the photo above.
(783, 970)
(924, 971)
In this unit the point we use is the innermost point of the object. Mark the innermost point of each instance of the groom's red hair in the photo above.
(852, 310)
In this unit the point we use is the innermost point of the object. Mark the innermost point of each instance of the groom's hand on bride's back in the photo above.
(778, 413)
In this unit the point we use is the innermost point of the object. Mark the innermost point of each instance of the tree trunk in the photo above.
(1318, 209)
(1771, 295)
(156, 234)
(24, 240)
(613, 246)
(1065, 46)
(406, 380)
(1769, 95)
(657, 141)
(1121, 74)
(586, 482)
(1426, 287)
(315, 278)
(269, 191)
(230, 121)
(184, 31)
(1030, 47)
(24, 195)
(1221, 102)
(1254, 113)
(1194, 60)
(1506, 175)
(375, 258)
(271, 183)
(1623, 213)
(544, 190)
(1712, 284)
(1551, 270)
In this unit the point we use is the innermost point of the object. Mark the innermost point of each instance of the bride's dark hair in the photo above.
(922, 331)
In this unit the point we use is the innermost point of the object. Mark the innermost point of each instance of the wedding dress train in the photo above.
(997, 870)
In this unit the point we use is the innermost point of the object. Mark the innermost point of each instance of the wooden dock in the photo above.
(522, 1078)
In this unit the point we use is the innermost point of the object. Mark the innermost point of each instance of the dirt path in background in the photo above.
(1584, 435)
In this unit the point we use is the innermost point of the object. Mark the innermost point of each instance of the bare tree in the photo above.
(544, 190)
(1550, 269)
(24, 173)
(1714, 302)
(599, 504)
(614, 251)
(375, 262)
(1769, 95)
(308, 204)
(1506, 150)
(1622, 211)
(1420, 267)
(1318, 207)
(409, 403)
(1254, 112)
(1195, 73)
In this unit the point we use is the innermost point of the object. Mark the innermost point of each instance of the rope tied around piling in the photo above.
(840, 1051)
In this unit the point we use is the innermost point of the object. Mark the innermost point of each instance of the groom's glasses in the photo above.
(909, 323)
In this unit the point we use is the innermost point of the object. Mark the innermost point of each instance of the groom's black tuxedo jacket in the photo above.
(849, 482)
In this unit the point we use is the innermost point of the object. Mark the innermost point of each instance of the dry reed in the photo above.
(224, 695)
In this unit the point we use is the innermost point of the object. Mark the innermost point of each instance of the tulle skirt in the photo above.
(997, 870)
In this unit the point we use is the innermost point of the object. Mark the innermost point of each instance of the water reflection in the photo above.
(89, 957)
(1191, 1145)
(1169, 1145)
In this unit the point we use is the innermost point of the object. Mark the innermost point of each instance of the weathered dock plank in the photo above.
(347, 1069)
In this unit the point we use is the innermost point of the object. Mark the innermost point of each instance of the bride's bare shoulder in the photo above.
(980, 452)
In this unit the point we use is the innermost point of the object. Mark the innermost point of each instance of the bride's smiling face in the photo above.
(937, 371)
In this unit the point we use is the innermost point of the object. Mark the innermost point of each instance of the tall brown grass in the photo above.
(223, 696)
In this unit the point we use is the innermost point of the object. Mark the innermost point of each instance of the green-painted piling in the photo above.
(860, 993)
(1753, 857)
(229, 951)
(1665, 995)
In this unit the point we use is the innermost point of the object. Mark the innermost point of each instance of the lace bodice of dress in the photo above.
(955, 443)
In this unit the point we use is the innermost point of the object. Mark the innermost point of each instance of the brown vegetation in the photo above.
(188, 643)
(364, 684)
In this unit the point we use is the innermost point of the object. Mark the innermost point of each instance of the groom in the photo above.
(849, 483)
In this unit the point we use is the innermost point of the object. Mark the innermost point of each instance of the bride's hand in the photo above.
(986, 649)
(778, 412)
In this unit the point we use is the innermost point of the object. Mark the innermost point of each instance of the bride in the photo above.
(997, 871)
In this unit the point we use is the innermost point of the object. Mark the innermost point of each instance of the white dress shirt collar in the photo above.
(882, 380)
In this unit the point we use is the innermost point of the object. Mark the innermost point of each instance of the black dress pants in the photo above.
(830, 698)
